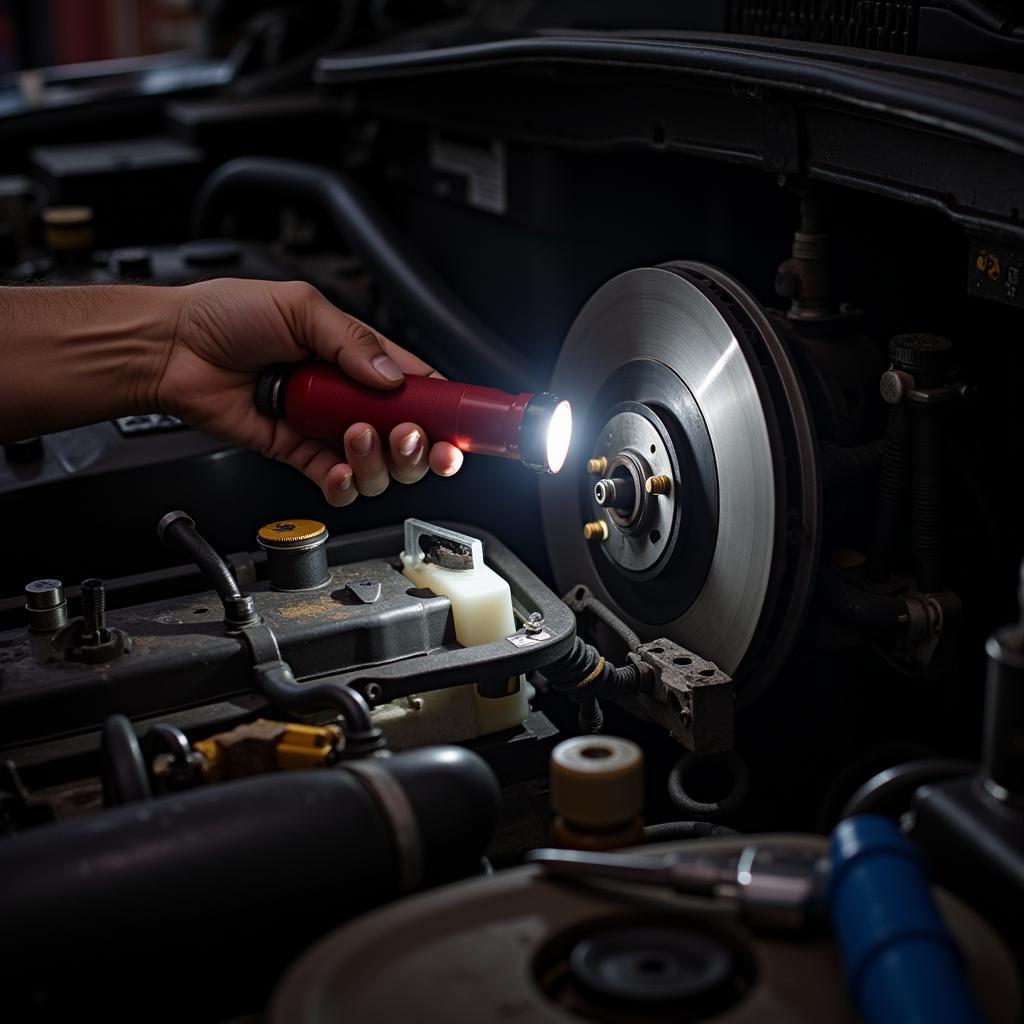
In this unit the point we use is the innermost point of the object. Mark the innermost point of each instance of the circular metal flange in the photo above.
(633, 445)
(714, 337)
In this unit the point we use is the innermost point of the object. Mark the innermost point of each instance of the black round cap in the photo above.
(920, 351)
(651, 965)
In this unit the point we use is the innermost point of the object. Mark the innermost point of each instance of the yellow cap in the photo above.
(68, 227)
(291, 531)
(597, 780)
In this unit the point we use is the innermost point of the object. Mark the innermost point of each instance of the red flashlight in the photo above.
(321, 401)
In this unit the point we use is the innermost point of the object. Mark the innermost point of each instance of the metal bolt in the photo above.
(94, 611)
(597, 466)
(617, 493)
(658, 484)
(597, 530)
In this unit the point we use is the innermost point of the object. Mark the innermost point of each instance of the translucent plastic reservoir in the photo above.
(452, 564)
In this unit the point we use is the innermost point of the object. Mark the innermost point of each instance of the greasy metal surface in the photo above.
(489, 943)
(481, 943)
(653, 313)
(692, 699)
(181, 656)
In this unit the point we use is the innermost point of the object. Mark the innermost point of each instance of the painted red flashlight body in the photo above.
(320, 401)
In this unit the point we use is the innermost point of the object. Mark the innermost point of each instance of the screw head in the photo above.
(894, 385)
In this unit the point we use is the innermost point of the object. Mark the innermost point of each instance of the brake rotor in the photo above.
(679, 383)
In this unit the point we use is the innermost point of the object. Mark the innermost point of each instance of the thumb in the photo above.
(345, 341)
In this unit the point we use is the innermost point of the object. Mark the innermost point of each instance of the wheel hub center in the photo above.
(635, 492)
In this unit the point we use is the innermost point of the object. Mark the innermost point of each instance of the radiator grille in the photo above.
(886, 25)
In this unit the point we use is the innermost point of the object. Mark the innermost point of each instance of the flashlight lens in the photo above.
(559, 436)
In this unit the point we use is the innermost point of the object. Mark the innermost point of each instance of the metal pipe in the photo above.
(177, 529)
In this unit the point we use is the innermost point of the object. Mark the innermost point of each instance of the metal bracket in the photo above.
(692, 698)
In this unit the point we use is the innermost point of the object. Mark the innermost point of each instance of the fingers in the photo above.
(445, 459)
(316, 460)
(366, 457)
(366, 466)
(408, 451)
(407, 459)
(358, 349)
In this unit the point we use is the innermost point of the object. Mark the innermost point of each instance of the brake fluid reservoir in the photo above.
(452, 564)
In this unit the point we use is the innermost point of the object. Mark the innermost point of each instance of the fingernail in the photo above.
(409, 443)
(387, 368)
(362, 443)
(345, 483)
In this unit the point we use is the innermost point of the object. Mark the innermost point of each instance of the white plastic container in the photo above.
(452, 564)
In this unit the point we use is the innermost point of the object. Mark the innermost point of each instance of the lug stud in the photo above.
(658, 484)
(597, 466)
(597, 530)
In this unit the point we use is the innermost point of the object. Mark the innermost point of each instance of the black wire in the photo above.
(604, 614)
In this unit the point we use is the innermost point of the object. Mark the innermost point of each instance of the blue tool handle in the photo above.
(901, 964)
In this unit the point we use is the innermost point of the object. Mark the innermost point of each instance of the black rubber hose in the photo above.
(591, 715)
(611, 681)
(890, 498)
(700, 808)
(185, 769)
(171, 738)
(675, 830)
(225, 884)
(875, 614)
(178, 530)
(459, 336)
(603, 613)
(123, 768)
(926, 499)
(278, 684)
(889, 793)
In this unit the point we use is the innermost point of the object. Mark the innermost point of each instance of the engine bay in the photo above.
(288, 762)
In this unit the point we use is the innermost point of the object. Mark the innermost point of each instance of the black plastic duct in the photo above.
(212, 891)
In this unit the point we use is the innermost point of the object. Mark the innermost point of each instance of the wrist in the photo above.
(161, 315)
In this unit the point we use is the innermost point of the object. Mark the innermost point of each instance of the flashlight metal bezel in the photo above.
(533, 431)
(269, 395)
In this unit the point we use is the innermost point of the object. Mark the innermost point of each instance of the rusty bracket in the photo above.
(692, 698)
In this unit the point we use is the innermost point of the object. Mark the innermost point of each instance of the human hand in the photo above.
(228, 330)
